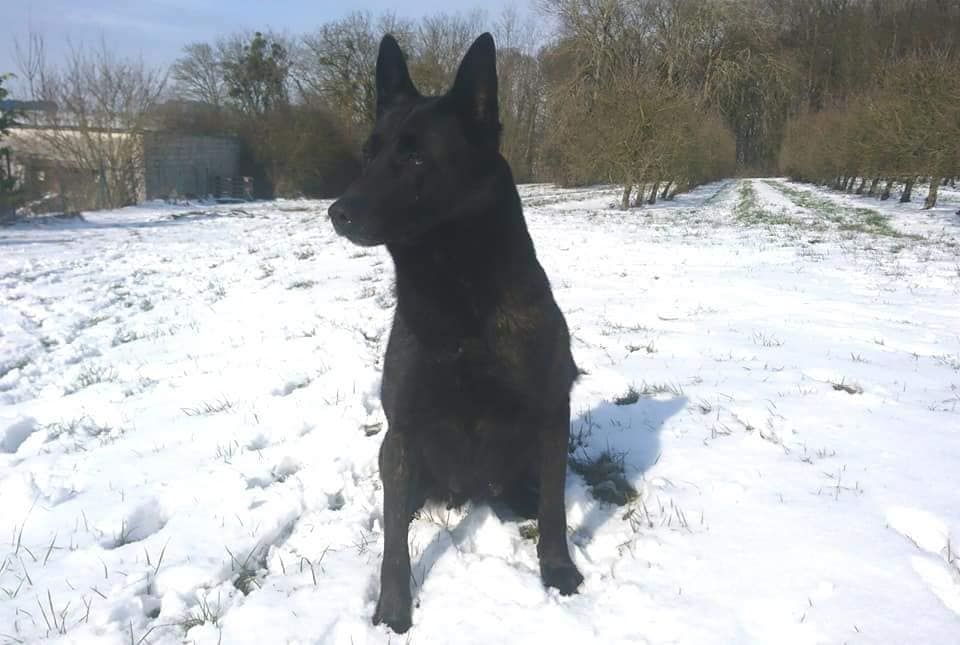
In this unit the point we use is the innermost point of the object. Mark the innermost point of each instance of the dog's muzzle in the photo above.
(343, 215)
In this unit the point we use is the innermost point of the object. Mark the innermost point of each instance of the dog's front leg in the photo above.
(556, 567)
(396, 466)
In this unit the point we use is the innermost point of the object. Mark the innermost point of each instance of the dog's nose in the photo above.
(339, 214)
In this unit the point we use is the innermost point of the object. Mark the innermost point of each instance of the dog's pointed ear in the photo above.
(393, 78)
(475, 88)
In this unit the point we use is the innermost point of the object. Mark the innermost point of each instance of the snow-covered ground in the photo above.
(189, 423)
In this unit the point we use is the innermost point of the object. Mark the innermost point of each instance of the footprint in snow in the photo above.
(279, 473)
(292, 385)
(144, 520)
(14, 435)
(939, 567)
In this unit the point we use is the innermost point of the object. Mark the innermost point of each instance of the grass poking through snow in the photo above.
(859, 220)
(606, 476)
(749, 212)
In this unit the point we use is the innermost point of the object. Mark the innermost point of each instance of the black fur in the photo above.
(477, 376)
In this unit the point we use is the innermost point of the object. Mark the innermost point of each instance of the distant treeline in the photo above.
(655, 95)
(903, 125)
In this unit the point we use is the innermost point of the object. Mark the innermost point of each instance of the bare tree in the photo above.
(439, 43)
(198, 75)
(103, 105)
(336, 66)
(522, 87)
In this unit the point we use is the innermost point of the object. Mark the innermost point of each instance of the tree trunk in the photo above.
(863, 182)
(931, 199)
(873, 187)
(653, 193)
(907, 190)
(638, 198)
(625, 199)
(851, 184)
(666, 190)
(531, 138)
(887, 188)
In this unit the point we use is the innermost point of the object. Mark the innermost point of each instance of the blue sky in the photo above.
(156, 30)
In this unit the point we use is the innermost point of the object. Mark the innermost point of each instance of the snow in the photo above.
(189, 425)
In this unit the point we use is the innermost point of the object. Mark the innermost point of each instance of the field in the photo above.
(765, 447)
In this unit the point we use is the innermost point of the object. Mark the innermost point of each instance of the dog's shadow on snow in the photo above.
(621, 441)
(612, 448)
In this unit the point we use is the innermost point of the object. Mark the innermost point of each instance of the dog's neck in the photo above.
(463, 267)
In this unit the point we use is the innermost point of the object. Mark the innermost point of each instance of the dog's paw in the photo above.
(564, 578)
(394, 613)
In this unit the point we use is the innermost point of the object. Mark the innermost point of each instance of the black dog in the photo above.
(477, 375)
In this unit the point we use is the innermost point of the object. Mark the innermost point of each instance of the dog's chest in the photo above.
(500, 341)
(477, 457)
(482, 379)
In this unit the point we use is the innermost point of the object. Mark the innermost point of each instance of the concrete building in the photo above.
(57, 165)
(189, 165)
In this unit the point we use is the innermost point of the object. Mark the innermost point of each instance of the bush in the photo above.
(906, 126)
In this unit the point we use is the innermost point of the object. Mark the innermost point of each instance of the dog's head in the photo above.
(428, 159)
